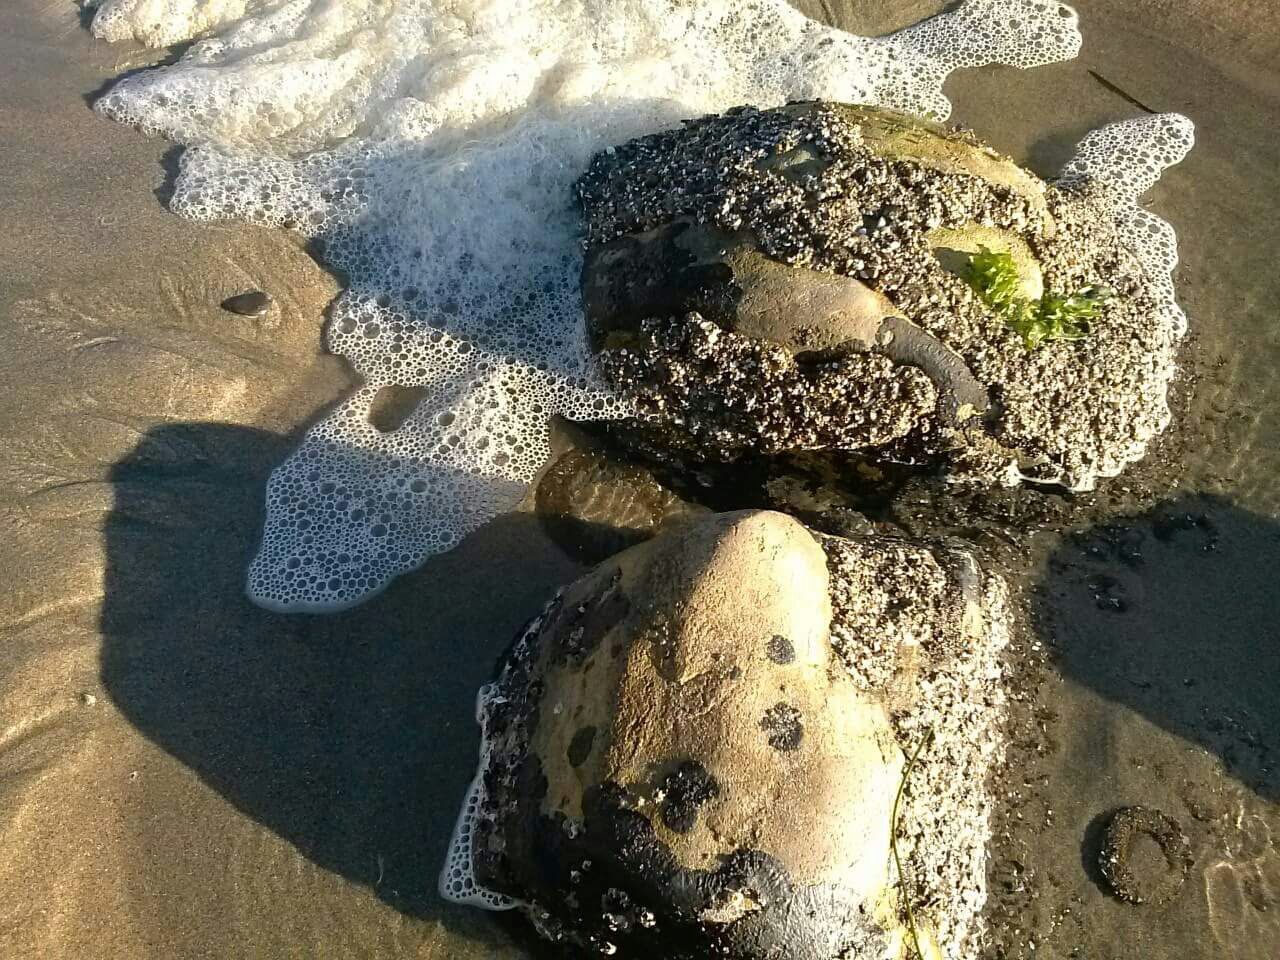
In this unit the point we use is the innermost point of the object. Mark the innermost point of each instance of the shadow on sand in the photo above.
(1175, 613)
(351, 736)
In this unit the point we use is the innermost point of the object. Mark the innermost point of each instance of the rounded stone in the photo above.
(593, 507)
(1145, 856)
(693, 751)
(254, 303)
(734, 795)
(798, 279)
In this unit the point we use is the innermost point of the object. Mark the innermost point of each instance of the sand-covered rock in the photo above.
(799, 279)
(695, 750)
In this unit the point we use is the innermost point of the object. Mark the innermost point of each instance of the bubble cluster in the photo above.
(1114, 166)
(427, 149)
(159, 23)
(458, 876)
(1118, 164)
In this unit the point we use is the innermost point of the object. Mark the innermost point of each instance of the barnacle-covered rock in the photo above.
(796, 279)
(694, 751)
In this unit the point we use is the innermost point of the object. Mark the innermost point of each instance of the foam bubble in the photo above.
(429, 147)
(160, 23)
(1116, 165)
(458, 882)
(1122, 161)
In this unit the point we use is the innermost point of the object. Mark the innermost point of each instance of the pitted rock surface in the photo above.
(664, 779)
(826, 244)
(694, 750)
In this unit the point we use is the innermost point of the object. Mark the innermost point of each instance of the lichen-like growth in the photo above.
(995, 276)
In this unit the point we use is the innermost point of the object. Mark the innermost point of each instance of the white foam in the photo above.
(458, 882)
(159, 23)
(1119, 163)
(431, 146)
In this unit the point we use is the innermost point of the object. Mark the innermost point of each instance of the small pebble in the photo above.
(252, 304)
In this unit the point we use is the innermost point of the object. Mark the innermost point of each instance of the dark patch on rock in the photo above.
(685, 790)
(580, 746)
(631, 898)
(783, 726)
(1145, 856)
(633, 278)
(579, 627)
(780, 650)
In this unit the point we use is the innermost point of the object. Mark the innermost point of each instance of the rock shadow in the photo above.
(351, 736)
(1175, 613)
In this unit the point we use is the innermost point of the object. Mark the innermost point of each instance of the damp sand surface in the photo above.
(185, 775)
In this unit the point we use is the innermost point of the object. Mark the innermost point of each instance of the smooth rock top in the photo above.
(683, 764)
(793, 746)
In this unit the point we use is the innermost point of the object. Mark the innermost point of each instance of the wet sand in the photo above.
(184, 775)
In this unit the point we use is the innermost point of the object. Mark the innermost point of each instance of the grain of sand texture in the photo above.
(183, 775)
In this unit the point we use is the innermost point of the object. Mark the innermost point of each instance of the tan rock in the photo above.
(682, 761)
(696, 674)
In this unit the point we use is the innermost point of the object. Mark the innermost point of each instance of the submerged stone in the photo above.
(593, 506)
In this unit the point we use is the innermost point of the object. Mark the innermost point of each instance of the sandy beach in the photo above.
(185, 775)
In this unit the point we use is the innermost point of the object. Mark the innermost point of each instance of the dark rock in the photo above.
(255, 303)
(771, 282)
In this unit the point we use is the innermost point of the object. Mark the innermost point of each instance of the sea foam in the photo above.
(428, 148)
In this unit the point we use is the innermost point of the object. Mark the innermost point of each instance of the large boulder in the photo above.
(695, 750)
(796, 279)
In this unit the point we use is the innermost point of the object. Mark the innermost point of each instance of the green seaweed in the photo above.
(995, 277)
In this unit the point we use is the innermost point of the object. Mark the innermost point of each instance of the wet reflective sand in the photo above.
(184, 775)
